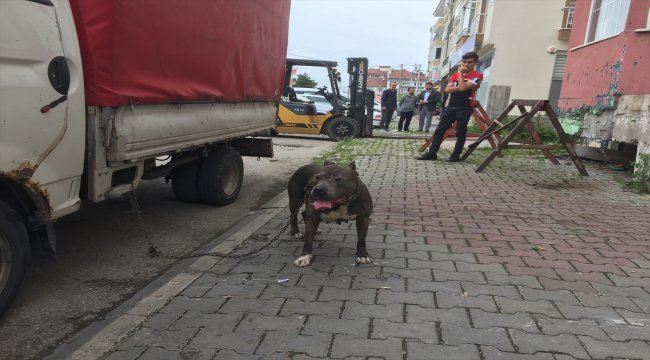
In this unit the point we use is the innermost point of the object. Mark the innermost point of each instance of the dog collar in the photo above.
(346, 199)
(340, 201)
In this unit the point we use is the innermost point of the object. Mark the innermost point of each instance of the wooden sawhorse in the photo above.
(525, 119)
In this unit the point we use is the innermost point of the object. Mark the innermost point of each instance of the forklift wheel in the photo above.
(341, 127)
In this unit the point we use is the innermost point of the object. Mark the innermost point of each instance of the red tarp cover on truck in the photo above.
(157, 51)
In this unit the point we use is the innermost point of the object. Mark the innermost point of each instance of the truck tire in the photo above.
(221, 177)
(14, 255)
(184, 181)
(341, 127)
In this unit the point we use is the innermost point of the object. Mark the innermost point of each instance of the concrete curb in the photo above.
(99, 338)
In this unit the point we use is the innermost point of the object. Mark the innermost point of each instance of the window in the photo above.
(468, 16)
(569, 17)
(607, 18)
(438, 53)
(569, 11)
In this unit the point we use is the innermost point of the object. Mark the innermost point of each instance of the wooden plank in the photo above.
(527, 117)
(504, 113)
(565, 140)
(488, 160)
(537, 139)
(533, 146)
(525, 102)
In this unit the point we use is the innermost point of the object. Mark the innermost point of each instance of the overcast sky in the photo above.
(387, 32)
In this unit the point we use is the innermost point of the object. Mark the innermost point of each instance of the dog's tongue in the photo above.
(322, 204)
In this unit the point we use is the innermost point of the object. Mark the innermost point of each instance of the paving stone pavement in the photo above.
(524, 261)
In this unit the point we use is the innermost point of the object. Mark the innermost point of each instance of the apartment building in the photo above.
(435, 49)
(521, 44)
(606, 89)
(377, 79)
(380, 78)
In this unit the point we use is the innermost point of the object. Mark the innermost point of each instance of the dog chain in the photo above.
(153, 252)
(135, 209)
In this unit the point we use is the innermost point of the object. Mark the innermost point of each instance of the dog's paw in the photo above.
(304, 260)
(363, 260)
(297, 235)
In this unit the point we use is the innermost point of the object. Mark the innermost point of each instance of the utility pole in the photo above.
(399, 83)
(416, 67)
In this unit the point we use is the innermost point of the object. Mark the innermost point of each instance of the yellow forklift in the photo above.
(348, 117)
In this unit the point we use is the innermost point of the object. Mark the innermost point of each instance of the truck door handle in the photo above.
(54, 103)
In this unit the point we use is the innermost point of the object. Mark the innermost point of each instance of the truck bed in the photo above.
(161, 51)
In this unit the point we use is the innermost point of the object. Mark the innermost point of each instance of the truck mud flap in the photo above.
(258, 146)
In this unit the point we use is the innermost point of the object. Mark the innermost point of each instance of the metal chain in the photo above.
(233, 256)
(153, 252)
(135, 209)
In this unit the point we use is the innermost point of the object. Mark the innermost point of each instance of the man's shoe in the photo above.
(427, 156)
(453, 158)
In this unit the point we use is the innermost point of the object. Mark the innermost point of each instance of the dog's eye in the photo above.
(338, 179)
(317, 177)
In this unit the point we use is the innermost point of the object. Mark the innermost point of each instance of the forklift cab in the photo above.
(332, 74)
(349, 118)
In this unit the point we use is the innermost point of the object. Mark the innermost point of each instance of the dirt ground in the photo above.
(102, 255)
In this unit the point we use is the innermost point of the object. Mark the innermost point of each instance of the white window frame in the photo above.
(616, 10)
(570, 13)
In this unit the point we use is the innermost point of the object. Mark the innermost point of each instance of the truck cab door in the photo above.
(37, 80)
(33, 76)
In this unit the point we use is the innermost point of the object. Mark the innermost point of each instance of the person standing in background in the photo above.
(427, 104)
(407, 106)
(458, 106)
(388, 105)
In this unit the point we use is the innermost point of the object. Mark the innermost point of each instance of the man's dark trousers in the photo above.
(450, 114)
(386, 117)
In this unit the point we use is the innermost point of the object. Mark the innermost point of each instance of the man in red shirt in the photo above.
(457, 106)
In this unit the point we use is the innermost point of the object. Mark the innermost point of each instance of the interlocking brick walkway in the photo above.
(524, 261)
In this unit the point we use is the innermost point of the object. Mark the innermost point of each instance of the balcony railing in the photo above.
(567, 23)
(567, 20)
(463, 33)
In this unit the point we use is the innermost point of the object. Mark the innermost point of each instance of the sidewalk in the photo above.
(523, 261)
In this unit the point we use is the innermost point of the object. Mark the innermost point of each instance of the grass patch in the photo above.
(348, 150)
(640, 182)
(546, 133)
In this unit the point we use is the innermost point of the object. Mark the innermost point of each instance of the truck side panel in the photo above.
(160, 51)
(148, 130)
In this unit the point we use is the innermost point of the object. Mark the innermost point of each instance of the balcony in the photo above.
(567, 23)
(462, 35)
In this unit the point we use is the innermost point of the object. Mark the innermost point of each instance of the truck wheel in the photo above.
(221, 177)
(14, 254)
(184, 181)
(341, 127)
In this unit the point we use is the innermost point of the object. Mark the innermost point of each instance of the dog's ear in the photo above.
(327, 162)
(353, 165)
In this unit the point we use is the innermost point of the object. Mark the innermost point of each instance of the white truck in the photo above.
(94, 94)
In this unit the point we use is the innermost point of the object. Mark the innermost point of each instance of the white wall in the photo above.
(521, 32)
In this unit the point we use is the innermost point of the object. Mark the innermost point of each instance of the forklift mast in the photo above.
(361, 99)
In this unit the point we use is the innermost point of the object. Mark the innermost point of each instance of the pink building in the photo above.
(605, 94)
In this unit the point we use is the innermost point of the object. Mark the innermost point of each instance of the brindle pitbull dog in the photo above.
(331, 193)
